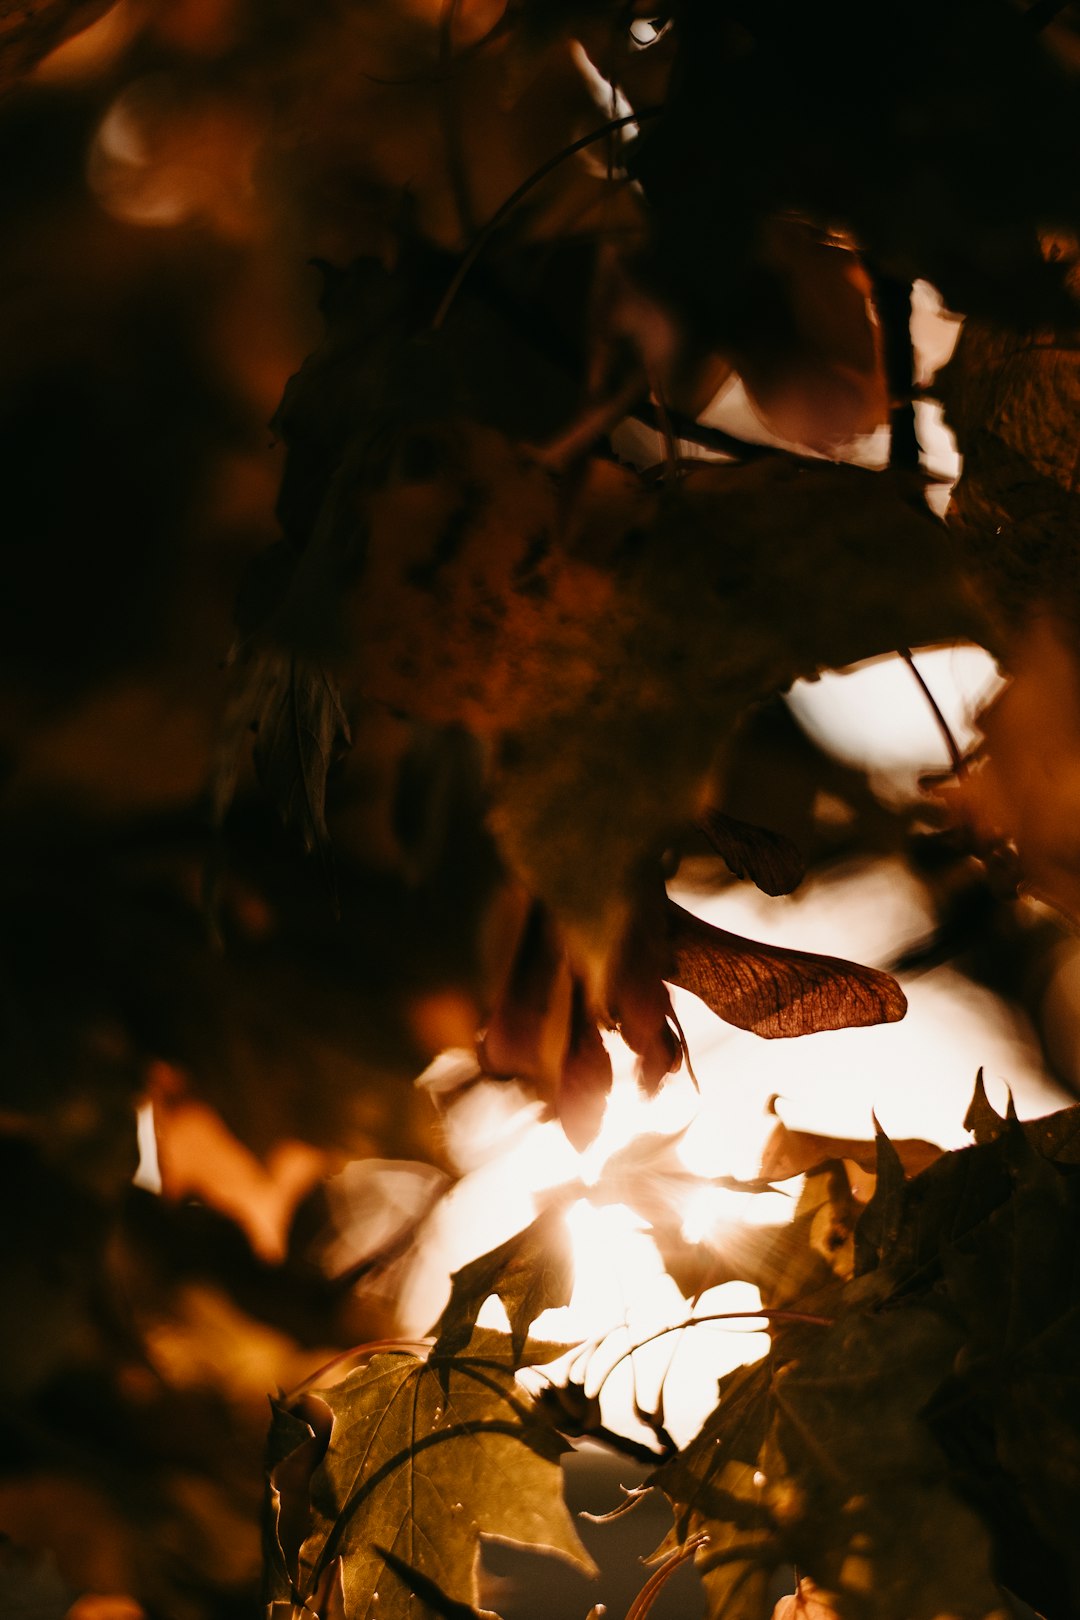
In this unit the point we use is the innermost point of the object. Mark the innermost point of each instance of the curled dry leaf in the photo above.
(773, 991)
(543, 1029)
(770, 861)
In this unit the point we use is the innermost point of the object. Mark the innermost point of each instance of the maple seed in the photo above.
(774, 991)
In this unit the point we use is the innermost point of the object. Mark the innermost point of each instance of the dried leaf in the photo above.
(797, 1153)
(804, 338)
(424, 1458)
(773, 991)
(768, 859)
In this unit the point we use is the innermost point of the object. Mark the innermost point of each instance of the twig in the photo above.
(507, 207)
(955, 756)
(718, 1316)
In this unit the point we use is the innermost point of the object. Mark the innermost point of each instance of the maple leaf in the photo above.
(532, 1271)
(1012, 1280)
(425, 1458)
(864, 1491)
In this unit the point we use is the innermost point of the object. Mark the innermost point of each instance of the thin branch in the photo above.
(956, 757)
(518, 195)
(804, 1317)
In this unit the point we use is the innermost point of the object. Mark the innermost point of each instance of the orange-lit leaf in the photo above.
(527, 1031)
(585, 1079)
(29, 32)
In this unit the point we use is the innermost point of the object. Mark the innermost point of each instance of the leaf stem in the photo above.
(768, 1315)
(660, 1577)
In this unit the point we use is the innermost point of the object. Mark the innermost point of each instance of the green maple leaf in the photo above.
(531, 1272)
(426, 1457)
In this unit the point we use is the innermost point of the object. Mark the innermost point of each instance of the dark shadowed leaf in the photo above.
(713, 1489)
(880, 1223)
(1011, 398)
(530, 1273)
(768, 859)
(982, 1118)
(29, 32)
(774, 991)
(1056, 1136)
(294, 707)
(863, 1491)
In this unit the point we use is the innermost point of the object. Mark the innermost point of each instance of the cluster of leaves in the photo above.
(907, 1444)
(524, 612)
